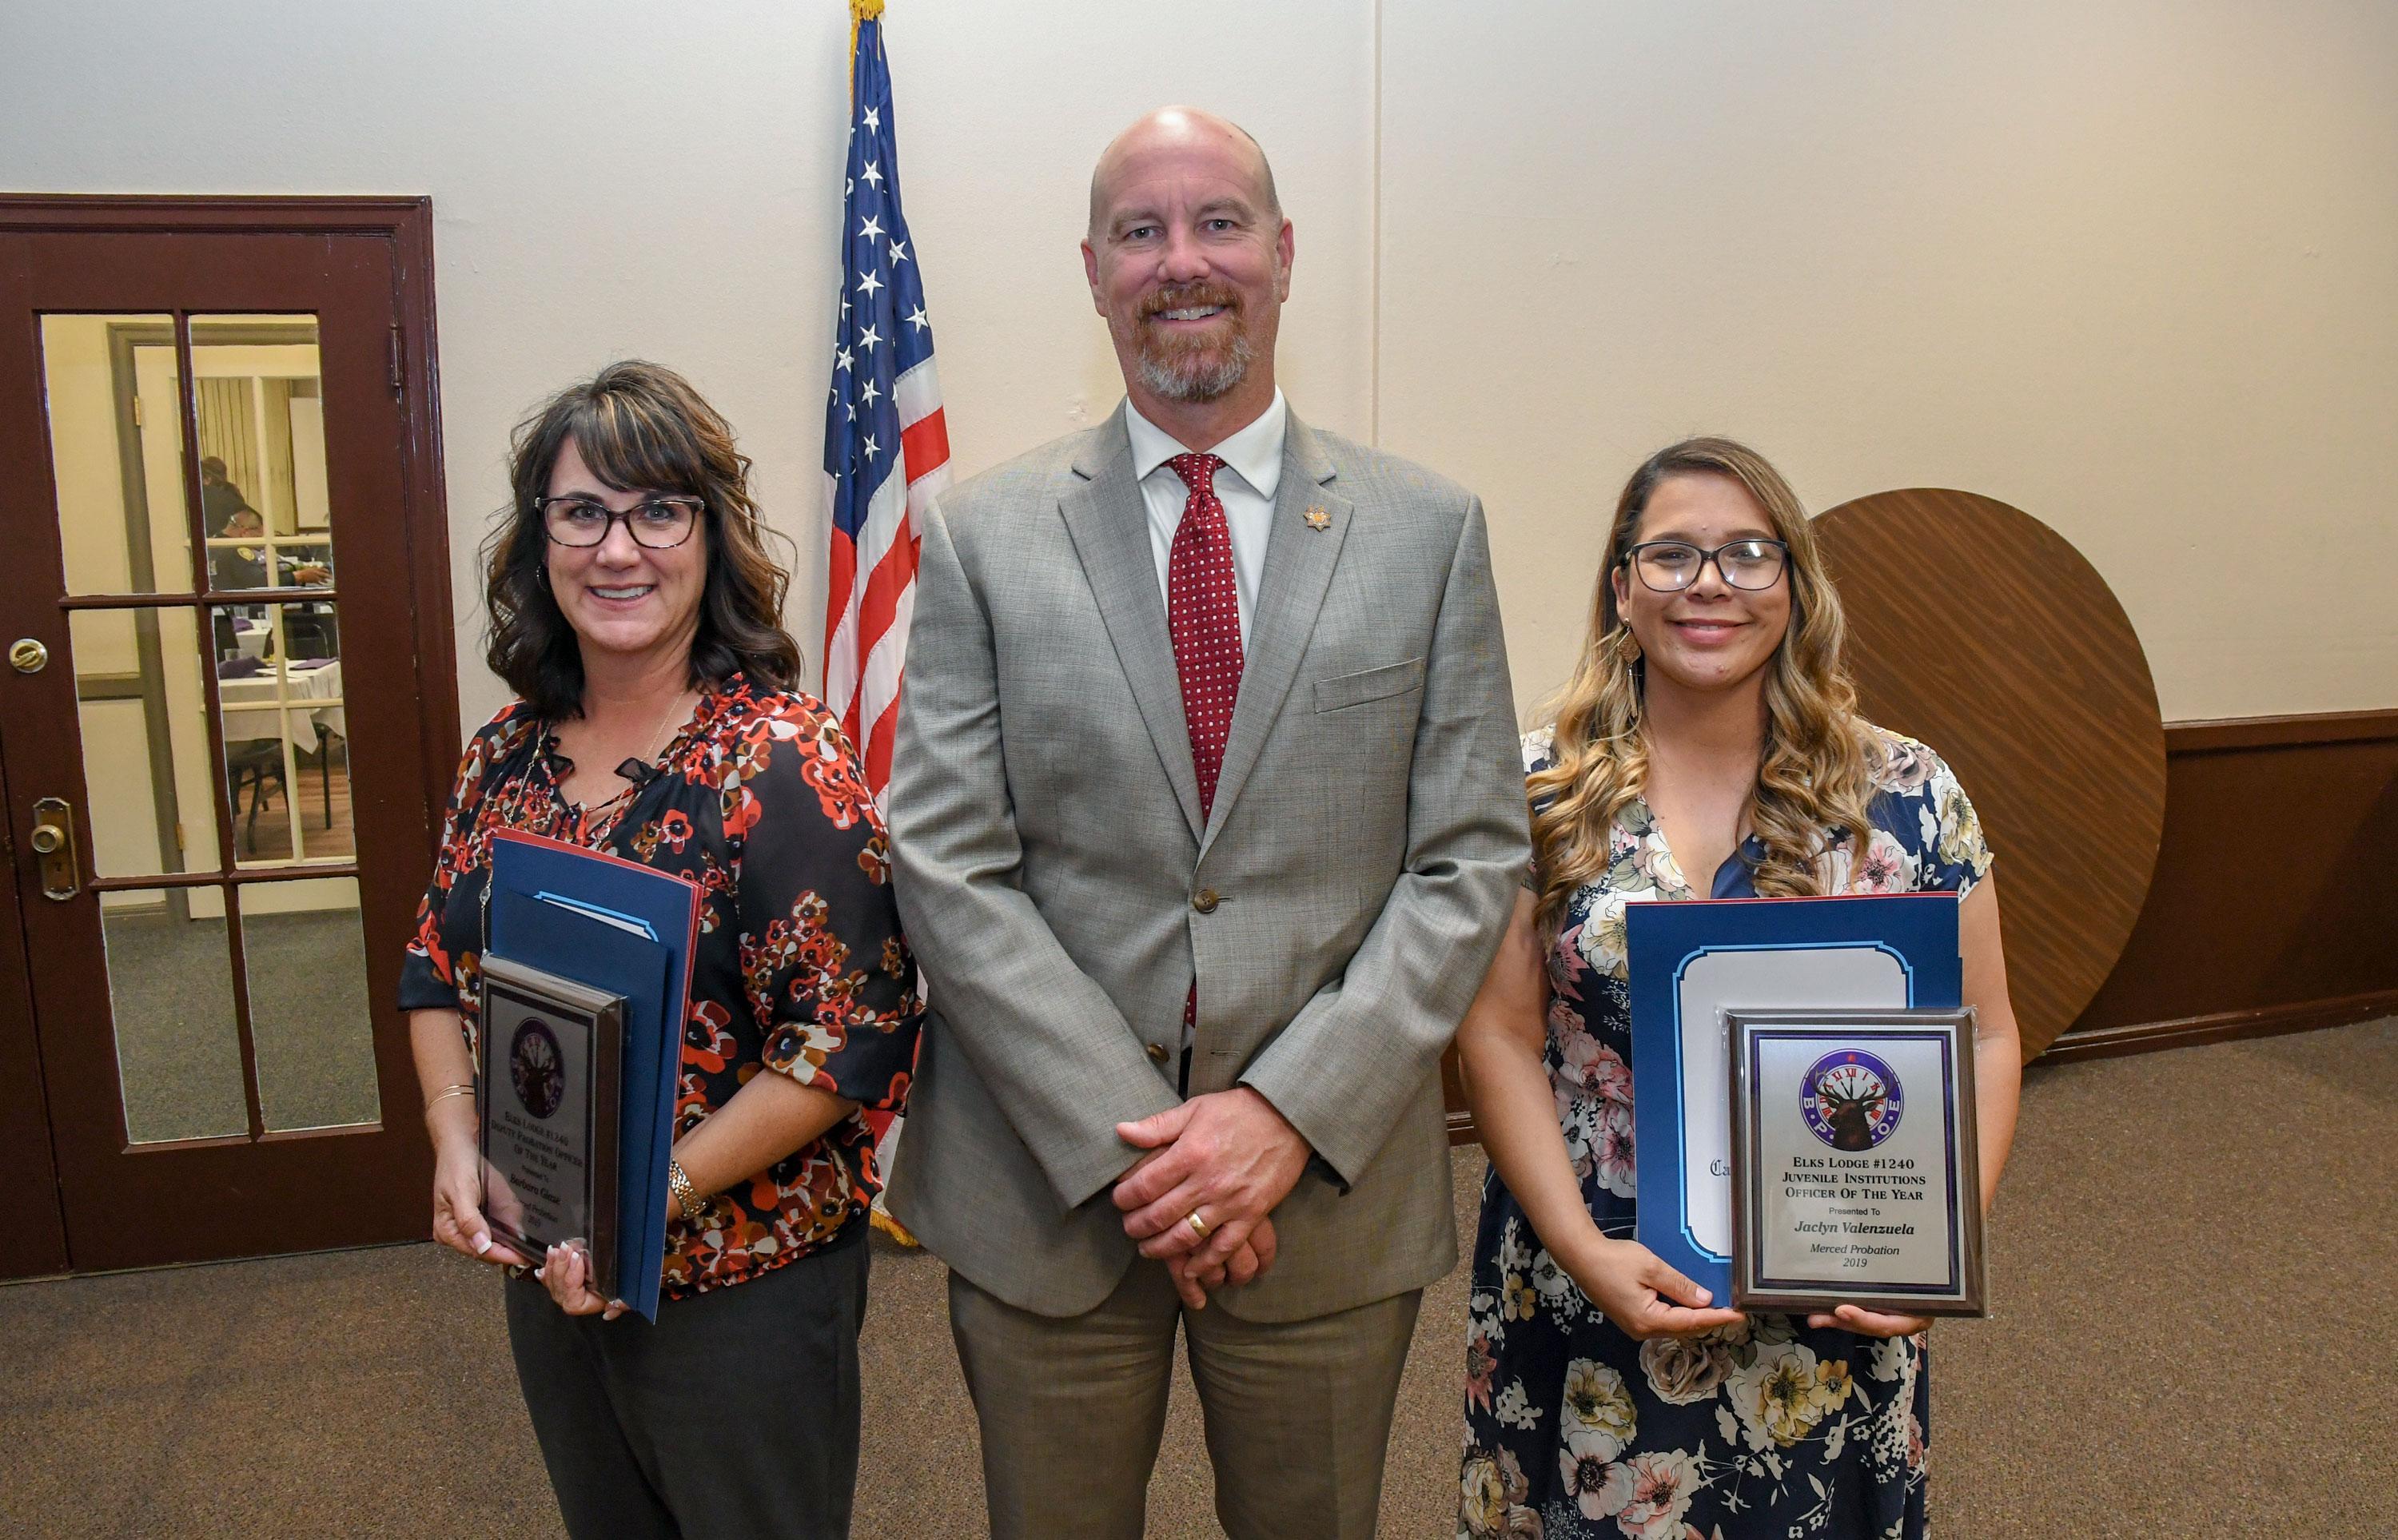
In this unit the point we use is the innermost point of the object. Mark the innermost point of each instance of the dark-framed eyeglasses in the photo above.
(655, 523)
(1670, 565)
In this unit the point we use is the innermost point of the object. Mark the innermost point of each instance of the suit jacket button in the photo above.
(1203, 900)
(1157, 1051)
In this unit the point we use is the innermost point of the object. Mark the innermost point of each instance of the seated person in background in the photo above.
(220, 498)
(245, 566)
(1708, 745)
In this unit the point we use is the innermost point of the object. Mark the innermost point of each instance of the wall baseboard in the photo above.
(2222, 1026)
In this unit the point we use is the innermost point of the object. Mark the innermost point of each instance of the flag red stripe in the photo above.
(841, 574)
(877, 747)
(876, 606)
(925, 442)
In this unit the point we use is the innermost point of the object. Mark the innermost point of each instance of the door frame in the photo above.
(33, 1234)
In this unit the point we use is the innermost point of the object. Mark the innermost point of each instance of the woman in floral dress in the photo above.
(1710, 729)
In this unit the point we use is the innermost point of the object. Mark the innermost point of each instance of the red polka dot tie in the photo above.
(1203, 610)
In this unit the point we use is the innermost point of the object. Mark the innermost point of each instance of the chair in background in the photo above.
(253, 763)
(310, 632)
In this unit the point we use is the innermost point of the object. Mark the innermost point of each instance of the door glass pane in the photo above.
(285, 731)
(261, 426)
(145, 755)
(170, 990)
(308, 1012)
(116, 452)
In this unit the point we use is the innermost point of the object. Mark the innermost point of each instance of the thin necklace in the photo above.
(631, 786)
(664, 718)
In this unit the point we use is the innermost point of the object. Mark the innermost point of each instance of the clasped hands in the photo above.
(1228, 1158)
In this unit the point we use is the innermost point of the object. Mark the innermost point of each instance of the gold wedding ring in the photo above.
(1198, 1225)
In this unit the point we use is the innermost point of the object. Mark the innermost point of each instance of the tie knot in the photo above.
(1197, 470)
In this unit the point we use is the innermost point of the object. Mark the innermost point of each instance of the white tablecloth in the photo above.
(245, 721)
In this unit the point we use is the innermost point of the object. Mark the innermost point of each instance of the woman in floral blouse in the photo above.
(1709, 731)
(635, 615)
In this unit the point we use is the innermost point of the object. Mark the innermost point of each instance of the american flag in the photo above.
(886, 445)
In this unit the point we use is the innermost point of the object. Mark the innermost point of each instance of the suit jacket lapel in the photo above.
(1299, 558)
(1109, 524)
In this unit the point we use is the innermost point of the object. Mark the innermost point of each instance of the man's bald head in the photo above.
(1168, 128)
(1188, 256)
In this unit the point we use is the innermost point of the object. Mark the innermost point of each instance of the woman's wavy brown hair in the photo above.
(639, 427)
(1818, 765)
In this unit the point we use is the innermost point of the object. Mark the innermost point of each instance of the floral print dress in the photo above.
(800, 968)
(1574, 1430)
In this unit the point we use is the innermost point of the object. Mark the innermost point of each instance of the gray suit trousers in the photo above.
(1073, 1410)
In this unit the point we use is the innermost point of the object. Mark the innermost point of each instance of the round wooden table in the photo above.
(1979, 630)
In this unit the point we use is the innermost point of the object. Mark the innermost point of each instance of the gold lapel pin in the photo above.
(1317, 518)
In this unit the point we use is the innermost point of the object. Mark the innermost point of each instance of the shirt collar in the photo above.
(1254, 453)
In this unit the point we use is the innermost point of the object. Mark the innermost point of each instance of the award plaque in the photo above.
(551, 1051)
(1856, 1176)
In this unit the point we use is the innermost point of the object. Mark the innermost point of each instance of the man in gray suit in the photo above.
(1207, 815)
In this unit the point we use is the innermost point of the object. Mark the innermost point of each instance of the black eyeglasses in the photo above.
(655, 524)
(1670, 565)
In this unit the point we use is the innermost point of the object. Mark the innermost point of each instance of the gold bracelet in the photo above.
(686, 1202)
(446, 1092)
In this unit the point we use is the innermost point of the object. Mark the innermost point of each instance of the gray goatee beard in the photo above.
(1199, 377)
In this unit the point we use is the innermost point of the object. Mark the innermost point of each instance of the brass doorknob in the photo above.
(28, 656)
(53, 840)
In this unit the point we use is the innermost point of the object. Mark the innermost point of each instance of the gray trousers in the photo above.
(735, 1415)
(1073, 1410)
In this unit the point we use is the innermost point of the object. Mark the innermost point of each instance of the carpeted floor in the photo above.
(170, 986)
(2197, 1335)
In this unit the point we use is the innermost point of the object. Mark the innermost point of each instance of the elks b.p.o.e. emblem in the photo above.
(1851, 1100)
(1317, 518)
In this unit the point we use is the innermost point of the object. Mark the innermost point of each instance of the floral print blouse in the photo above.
(800, 967)
(1770, 1427)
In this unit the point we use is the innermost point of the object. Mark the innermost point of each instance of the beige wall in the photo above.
(2132, 267)
(2129, 267)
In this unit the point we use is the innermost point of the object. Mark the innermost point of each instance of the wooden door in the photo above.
(227, 716)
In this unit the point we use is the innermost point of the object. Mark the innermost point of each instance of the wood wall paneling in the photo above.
(2273, 906)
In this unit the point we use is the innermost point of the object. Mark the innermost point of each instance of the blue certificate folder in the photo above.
(622, 927)
(1692, 959)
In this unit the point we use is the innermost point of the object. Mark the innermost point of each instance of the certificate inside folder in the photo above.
(1692, 961)
(589, 917)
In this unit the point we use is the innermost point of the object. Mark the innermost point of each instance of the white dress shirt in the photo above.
(1244, 484)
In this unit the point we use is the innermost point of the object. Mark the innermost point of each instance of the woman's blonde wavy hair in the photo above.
(1818, 765)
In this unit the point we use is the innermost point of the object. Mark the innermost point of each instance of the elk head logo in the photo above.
(1852, 1116)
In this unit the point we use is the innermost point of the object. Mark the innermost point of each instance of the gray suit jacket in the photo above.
(1054, 877)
